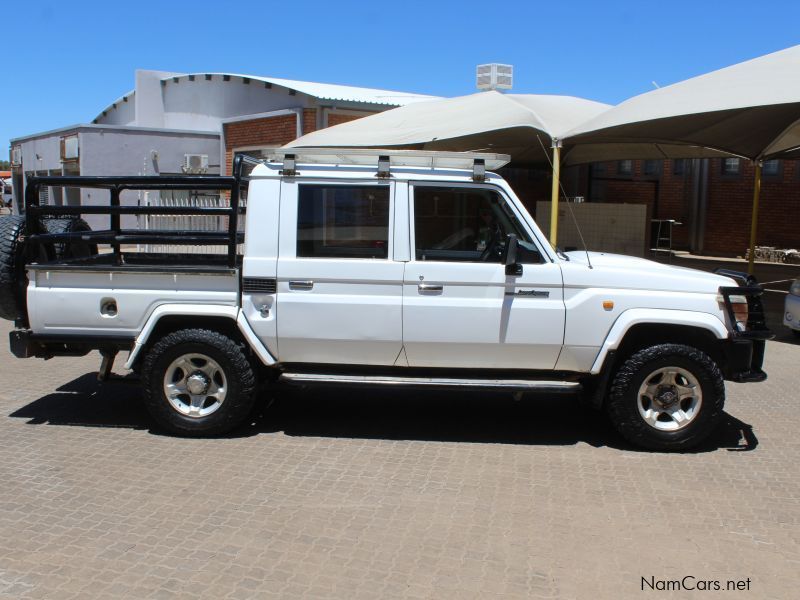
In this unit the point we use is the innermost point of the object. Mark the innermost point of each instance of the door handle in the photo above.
(305, 284)
(429, 287)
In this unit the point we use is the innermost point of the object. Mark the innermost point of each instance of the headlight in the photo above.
(740, 310)
(795, 289)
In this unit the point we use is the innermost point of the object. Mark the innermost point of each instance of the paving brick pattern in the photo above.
(386, 495)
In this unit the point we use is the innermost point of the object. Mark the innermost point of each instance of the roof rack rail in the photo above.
(384, 159)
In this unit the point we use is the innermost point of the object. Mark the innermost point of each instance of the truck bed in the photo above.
(107, 297)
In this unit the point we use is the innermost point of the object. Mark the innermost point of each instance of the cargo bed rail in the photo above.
(115, 236)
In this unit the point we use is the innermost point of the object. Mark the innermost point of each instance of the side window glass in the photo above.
(466, 225)
(337, 221)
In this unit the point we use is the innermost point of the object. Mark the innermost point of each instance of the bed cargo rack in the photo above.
(115, 236)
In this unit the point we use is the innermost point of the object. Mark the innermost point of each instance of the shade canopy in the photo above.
(751, 110)
(515, 124)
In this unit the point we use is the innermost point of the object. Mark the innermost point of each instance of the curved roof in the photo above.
(323, 91)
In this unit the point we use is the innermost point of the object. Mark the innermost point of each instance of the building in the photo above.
(710, 198)
(177, 123)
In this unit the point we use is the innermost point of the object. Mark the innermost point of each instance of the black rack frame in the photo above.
(115, 236)
(756, 327)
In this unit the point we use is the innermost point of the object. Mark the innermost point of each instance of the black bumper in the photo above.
(743, 359)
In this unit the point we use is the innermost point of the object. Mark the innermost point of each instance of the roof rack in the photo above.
(385, 159)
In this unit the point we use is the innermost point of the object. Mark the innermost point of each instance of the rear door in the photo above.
(460, 309)
(339, 287)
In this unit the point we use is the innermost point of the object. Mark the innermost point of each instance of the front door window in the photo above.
(462, 224)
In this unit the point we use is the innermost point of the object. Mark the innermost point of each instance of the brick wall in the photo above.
(339, 118)
(730, 201)
(267, 131)
(270, 131)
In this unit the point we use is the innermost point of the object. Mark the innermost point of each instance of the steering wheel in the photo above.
(494, 249)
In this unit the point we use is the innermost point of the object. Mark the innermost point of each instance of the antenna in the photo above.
(566, 201)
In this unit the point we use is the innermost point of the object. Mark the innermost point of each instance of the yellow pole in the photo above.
(754, 219)
(554, 193)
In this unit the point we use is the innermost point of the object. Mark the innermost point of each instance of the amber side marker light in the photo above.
(608, 304)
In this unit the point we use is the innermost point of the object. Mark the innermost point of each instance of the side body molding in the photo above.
(659, 316)
(200, 311)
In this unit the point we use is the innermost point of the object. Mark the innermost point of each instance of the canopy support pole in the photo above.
(751, 256)
(554, 192)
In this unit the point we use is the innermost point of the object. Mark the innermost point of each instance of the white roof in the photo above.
(750, 109)
(507, 123)
(348, 93)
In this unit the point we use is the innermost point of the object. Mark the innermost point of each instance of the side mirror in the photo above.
(510, 259)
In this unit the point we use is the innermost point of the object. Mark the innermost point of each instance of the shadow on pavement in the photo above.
(368, 414)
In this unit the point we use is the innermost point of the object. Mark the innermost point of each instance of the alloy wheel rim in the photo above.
(195, 385)
(669, 399)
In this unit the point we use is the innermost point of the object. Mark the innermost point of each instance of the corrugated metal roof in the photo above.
(333, 91)
(324, 91)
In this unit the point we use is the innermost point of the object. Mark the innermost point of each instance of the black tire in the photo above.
(13, 280)
(624, 399)
(796, 333)
(69, 250)
(239, 377)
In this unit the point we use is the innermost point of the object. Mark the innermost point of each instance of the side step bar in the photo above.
(512, 385)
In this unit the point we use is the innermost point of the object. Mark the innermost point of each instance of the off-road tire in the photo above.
(622, 402)
(67, 250)
(12, 267)
(231, 356)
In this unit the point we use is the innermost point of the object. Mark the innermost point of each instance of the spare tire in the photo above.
(66, 250)
(13, 281)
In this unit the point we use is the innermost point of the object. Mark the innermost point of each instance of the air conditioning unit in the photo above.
(494, 76)
(195, 163)
(16, 156)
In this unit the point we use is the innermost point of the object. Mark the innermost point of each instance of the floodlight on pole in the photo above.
(494, 76)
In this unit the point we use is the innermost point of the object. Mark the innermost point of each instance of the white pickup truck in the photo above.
(392, 268)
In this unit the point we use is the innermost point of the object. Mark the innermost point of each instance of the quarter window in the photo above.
(337, 221)
(467, 225)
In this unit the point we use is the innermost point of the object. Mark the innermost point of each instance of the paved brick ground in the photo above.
(399, 496)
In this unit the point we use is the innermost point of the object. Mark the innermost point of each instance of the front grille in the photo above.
(259, 285)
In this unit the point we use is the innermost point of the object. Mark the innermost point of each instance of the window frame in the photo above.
(625, 172)
(390, 185)
(731, 174)
(778, 174)
(656, 172)
(519, 215)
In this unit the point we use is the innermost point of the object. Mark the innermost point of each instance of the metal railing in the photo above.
(115, 236)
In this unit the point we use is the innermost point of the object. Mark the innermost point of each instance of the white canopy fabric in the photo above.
(751, 109)
(486, 121)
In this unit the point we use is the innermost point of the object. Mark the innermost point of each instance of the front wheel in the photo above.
(667, 397)
(198, 382)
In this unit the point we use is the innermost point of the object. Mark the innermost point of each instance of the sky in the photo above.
(66, 61)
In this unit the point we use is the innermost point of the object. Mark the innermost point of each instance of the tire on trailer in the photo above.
(13, 280)
(67, 250)
(667, 397)
(198, 382)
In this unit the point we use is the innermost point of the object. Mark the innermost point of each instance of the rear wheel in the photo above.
(12, 267)
(198, 382)
(667, 397)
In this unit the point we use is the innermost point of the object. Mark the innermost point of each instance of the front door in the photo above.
(460, 309)
(339, 288)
